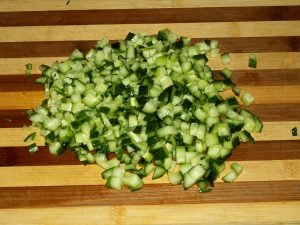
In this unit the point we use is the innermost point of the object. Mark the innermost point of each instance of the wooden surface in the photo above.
(44, 189)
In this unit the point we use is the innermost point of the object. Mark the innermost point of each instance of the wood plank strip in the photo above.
(20, 100)
(262, 94)
(239, 61)
(65, 196)
(24, 176)
(259, 44)
(32, 5)
(119, 31)
(262, 150)
(19, 83)
(272, 131)
(264, 77)
(255, 213)
(13, 118)
(270, 95)
(19, 156)
(266, 112)
(266, 150)
(64, 48)
(15, 136)
(146, 16)
(282, 112)
(277, 131)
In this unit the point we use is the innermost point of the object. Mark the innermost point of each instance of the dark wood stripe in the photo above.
(43, 49)
(282, 112)
(20, 83)
(144, 16)
(240, 77)
(66, 196)
(266, 150)
(64, 48)
(13, 118)
(19, 156)
(271, 77)
(275, 150)
(273, 112)
(259, 44)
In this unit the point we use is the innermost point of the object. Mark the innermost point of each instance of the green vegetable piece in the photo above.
(28, 69)
(237, 168)
(33, 148)
(295, 131)
(252, 61)
(247, 98)
(30, 137)
(147, 104)
(225, 58)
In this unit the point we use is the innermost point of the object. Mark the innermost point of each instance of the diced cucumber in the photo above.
(147, 103)
(176, 178)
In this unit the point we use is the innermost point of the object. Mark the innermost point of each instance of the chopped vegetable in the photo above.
(225, 58)
(252, 61)
(30, 137)
(226, 73)
(236, 90)
(247, 98)
(230, 177)
(295, 131)
(237, 168)
(233, 174)
(152, 102)
(33, 148)
(28, 69)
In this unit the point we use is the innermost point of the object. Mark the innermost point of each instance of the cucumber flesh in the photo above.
(148, 104)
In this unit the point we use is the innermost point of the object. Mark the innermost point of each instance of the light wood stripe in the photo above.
(262, 94)
(14, 118)
(275, 170)
(119, 31)
(20, 100)
(268, 213)
(262, 150)
(277, 131)
(272, 131)
(16, 136)
(33, 5)
(271, 94)
(239, 61)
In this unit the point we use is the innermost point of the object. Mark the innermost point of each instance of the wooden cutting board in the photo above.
(43, 189)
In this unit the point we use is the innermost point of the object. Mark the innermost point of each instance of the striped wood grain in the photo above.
(261, 150)
(271, 131)
(145, 16)
(267, 112)
(119, 31)
(234, 213)
(239, 61)
(43, 189)
(262, 94)
(19, 83)
(88, 195)
(68, 175)
(27, 5)
(64, 48)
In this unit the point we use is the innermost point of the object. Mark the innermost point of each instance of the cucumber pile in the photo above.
(146, 105)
